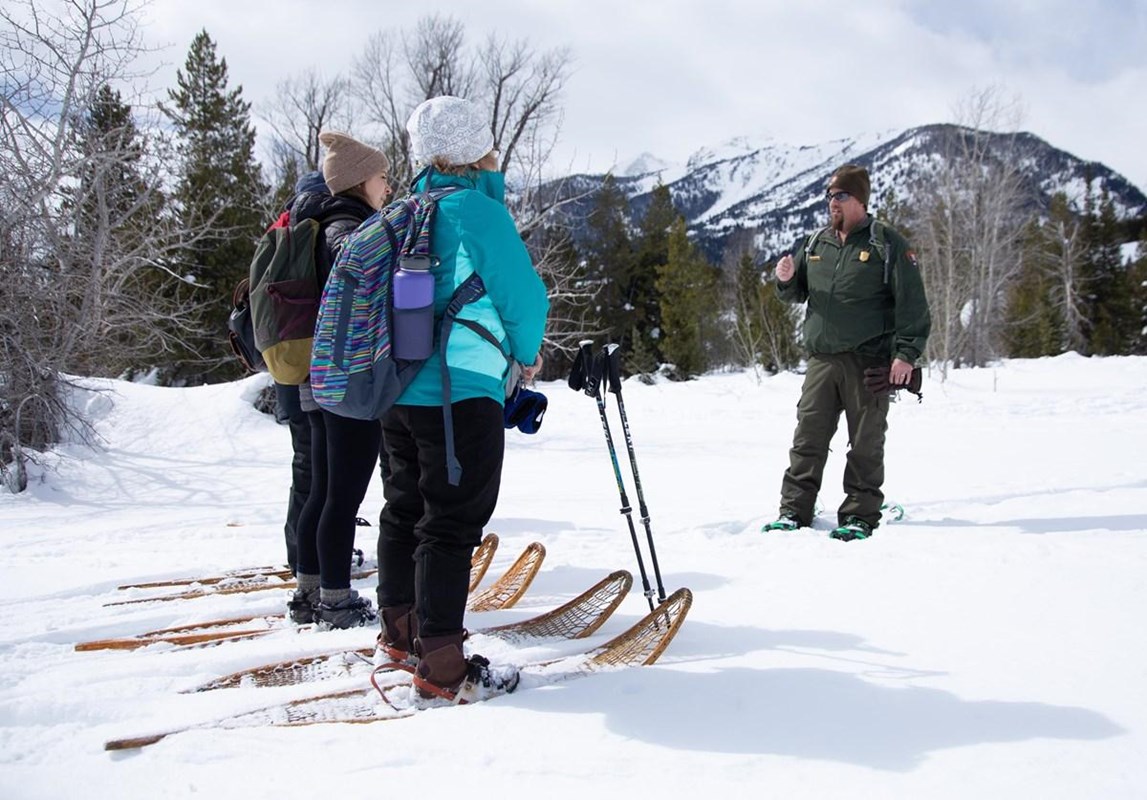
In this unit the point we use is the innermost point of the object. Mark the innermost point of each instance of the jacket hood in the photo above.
(489, 182)
(320, 205)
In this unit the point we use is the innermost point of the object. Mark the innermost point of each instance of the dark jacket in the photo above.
(856, 302)
(338, 216)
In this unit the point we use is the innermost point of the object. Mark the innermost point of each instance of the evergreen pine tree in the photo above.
(1137, 278)
(572, 315)
(609, 258)
(652, 254)
(220, 188)
(1113, 316)
(782, 347)
(685, 286)
(288, 178)
(747, 323)
(1035, 326)
(896, 212)
(639, 360)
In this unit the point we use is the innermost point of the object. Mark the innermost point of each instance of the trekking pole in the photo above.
(586, 376)
(611, 355)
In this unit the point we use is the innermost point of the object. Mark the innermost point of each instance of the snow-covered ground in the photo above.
(990, 645)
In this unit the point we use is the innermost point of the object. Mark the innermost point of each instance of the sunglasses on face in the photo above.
(839, 197)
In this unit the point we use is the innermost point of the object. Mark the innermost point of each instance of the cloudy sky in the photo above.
(672, 76)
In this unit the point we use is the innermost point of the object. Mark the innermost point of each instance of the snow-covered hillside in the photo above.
(990, 645)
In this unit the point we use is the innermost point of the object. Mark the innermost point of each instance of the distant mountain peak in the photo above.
(755, 186)
(644, 164)
(737, 147)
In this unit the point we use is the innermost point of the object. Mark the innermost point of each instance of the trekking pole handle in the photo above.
(594, 370)
(612, 355)
(580, 366)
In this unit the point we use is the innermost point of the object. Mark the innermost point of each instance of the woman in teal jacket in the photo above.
(431, 524)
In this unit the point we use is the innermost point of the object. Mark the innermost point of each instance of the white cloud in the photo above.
(673, 76)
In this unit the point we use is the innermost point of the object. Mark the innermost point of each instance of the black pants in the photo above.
(835, 384)
(428, 529)
(287, 402)
(345, 452)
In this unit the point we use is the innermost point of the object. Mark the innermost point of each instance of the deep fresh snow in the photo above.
(991, 645)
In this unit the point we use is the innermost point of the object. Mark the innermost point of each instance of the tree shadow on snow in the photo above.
(807, 713)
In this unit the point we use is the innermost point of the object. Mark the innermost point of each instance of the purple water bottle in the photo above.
(413, 334)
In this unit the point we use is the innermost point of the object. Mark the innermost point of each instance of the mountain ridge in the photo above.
(772, 193)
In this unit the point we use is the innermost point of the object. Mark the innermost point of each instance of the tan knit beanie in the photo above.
(852, 178)
(349, 162)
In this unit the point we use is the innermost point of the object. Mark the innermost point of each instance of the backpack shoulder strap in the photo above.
(811, 241)
(877, 240)
(421, 207)
(812, 238)
(471, 289)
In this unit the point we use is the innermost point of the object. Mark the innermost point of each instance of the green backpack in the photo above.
(285, 292)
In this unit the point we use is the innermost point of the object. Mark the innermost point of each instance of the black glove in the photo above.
(876, 381)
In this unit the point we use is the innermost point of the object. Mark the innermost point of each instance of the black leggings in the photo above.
(345, 452)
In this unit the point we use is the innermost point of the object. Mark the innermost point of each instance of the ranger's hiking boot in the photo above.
(854, 528)
(395, 642)
(352, 612)
(301, 606)
(785, 522)
(444, 672)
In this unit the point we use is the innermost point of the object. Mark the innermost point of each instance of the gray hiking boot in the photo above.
(301, 606)
(352, 612)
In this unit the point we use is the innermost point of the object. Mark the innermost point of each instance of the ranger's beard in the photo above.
(837, 220)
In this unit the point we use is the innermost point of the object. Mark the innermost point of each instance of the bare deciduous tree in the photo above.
(303, 106)
(1063, 256)
(435, 54)
(522, 88)
(968, 220)
(83, 235)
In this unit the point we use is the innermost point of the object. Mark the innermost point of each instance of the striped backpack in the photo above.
(354, 372)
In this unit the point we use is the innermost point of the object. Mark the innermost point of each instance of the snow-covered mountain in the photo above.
(773, 191)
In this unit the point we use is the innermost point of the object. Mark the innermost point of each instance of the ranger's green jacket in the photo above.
(856, 302)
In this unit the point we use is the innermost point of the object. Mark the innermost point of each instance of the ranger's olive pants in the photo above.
(835, 383)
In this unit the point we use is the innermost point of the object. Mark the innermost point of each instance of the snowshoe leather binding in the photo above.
(444, 672)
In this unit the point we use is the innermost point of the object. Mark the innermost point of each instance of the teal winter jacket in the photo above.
(474, 233)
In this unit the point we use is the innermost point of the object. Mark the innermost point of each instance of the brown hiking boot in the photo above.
(444, 672)
(441, 664)
(396, 641)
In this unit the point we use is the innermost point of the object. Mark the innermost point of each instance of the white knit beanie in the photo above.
(349, 162)
(451, 129)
